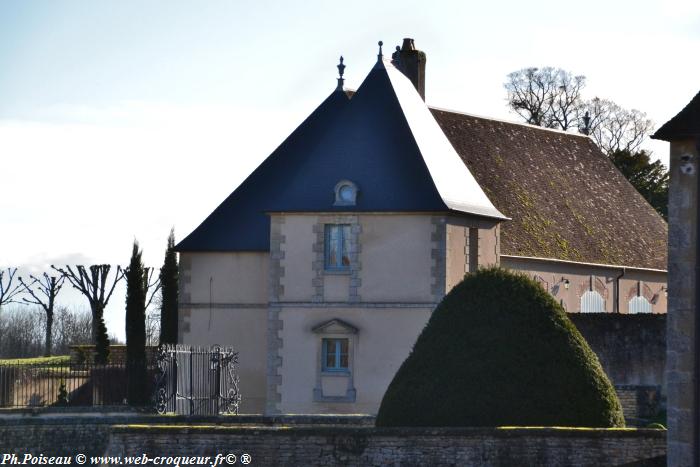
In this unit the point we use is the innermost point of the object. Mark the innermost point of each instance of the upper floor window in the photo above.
(345, 193)
(335, 355)
(337, 247)
(592, 302)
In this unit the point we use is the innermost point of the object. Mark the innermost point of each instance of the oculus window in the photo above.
(337, 255)
(345, 193)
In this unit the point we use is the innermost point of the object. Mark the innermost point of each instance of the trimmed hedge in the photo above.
(499, 350)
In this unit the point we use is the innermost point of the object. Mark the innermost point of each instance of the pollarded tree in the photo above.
(93, 285)
(169, 291)
(8, 290)
(499, 350)
(47, 289)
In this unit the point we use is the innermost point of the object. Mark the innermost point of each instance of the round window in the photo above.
(347, 194)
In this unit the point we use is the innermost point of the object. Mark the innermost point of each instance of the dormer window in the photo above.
(345, 193)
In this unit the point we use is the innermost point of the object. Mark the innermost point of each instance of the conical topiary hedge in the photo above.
(499, 350)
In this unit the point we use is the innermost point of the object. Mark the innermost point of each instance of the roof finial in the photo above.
(341, 70)
(586, 124)
(380, 55)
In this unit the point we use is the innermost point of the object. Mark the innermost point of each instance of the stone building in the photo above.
(323, 266)
(683, 331)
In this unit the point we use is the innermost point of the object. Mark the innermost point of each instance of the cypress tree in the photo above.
(169, 291)
(136, 278)
(101, 341)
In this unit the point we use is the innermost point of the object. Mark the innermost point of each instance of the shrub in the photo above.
(498, 350)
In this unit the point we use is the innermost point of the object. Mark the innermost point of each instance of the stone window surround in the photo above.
(342, 330)
(339, 201)
(319, 261)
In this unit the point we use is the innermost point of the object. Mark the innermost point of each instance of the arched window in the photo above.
(640, 304)
(592, 302)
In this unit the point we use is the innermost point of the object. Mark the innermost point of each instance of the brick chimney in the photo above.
(411, 62)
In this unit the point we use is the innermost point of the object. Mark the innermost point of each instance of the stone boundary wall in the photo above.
(321, 440)
(58, 433)
(368, 446)
(632, 350)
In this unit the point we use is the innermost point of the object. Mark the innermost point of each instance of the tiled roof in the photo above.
(566, 199)
(686, 124)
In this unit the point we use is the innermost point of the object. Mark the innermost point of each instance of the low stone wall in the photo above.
(320, 440)
(369, 446)
(56, 432)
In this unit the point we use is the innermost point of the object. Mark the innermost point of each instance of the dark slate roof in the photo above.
(240, 223)
(385, 141)
(686, 124)
(566, 199)
(378, 144)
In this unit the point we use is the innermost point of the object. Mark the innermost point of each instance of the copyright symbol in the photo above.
(246, 459)
(80, 458)
(230, 458)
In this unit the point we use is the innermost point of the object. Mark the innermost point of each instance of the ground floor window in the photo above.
(335, 354)
(335, 362)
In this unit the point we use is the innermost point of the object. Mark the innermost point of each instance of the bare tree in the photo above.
(615, 128)
(92, 283)
(548, 97)
(8, 291)
(47, 289)
(71, 328)
(152, 284)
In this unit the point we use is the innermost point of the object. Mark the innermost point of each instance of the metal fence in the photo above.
(66, 384)
(197, 380)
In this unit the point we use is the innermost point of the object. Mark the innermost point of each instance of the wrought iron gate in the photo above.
(197, 380)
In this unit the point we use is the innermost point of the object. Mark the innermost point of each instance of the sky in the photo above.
(122, 119)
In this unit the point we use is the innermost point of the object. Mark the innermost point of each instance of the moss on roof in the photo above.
(566, 199)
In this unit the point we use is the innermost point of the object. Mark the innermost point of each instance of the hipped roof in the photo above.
(385, 141)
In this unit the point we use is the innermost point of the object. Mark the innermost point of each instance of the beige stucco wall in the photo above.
(396, 258)
(235, 316)
(470, 243)
(236, 277)
(384, 339)
(298, 258)
(552, 275)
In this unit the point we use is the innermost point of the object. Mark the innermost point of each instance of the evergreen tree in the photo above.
(649, 178)
(169, 284)
(136, 289)
(101, 342)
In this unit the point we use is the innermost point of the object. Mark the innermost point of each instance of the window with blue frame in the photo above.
(337, 247)
(335, 355)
